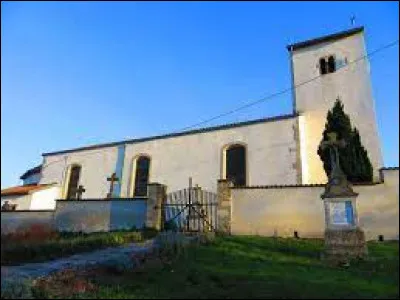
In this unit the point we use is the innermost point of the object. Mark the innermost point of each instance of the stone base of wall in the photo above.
(341, 245)
(26, 221)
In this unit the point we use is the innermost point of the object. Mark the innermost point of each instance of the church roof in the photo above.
(23, 189)
(323, 39)
(176, 134)
(32, 171)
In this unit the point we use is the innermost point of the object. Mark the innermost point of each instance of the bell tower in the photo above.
(324, 69)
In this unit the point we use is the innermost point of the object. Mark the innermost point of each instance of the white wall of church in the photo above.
(97, 165)
(271, 159)
(271, 151)
(45, 199)
(313, 100)
(23, 201)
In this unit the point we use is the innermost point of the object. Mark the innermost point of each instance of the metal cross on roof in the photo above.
(353, 20)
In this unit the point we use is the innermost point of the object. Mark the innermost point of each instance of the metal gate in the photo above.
(191, 210)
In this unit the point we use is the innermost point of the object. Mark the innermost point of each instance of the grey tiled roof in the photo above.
(389, 168)
(32, 171)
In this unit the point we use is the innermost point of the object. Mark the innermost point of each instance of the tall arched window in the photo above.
(141, 178)
(73, 181)
(235, 164)
(322, 66)
(331, 64)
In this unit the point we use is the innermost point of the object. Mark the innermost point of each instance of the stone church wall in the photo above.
(99, 215)
(283, 210)
(22, 221)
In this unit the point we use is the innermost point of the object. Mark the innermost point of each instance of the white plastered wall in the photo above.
(313, 100)
(271, 151)
(97, 165)
(23, 201)
(45, 199)
(271, 156)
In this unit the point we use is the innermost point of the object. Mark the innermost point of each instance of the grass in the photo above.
(253, 267)
(19, 251)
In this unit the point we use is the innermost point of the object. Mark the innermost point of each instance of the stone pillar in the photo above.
(156, 196)
(344, 239)
(224, 208)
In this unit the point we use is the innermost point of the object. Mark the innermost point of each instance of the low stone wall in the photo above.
(100, 215)
(25, 220)
(282, 210)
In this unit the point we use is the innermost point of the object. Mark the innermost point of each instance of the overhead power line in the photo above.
(368, 55)
(288, 89)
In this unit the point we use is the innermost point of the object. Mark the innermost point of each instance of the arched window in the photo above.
(328, 65)
(235, 164)
(331, 64)
(141, 178)
(73, 181)
(322, 66)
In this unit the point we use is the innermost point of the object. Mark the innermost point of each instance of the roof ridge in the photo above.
(325, 38)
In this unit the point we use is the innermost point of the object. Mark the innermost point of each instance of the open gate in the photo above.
(191, 210)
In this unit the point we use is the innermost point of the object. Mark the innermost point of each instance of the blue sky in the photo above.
(79, 73)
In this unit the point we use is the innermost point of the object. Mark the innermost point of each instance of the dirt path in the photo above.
(109, 256)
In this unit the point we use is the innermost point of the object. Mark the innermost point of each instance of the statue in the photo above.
(333, 144)
(343, 237)
(337, 181)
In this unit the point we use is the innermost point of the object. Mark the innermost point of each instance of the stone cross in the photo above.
(6, 206)
(79, 192)
(112, 179)
(333, 144)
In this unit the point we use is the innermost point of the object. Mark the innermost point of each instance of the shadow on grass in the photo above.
(243, 267)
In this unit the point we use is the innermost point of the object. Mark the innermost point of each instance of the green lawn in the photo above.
(255, 267)
(26, 250)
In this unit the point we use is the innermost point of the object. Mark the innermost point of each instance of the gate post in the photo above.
(156, 196)
(224, 208)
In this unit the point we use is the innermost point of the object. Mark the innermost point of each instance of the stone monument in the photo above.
(344, 239)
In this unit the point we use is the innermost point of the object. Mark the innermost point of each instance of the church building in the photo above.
(280, 150)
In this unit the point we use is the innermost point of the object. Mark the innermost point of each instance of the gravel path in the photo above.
(109, 256)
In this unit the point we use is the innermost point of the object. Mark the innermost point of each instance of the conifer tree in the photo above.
(353, 158)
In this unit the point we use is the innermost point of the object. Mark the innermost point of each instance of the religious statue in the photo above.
(337, 181)
(343, 237)
(333, 144)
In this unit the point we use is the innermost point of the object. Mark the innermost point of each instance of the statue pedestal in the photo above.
(341, 245)
(344, 239)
